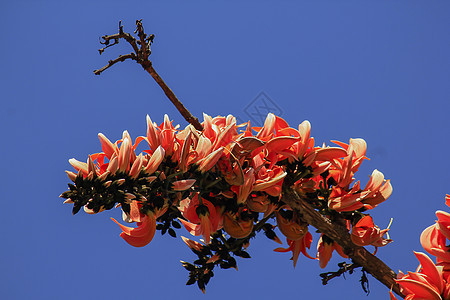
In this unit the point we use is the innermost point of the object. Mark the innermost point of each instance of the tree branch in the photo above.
(142, 51)
(114, 61)
(333, 230)
(181, 108)
(340, 235)
(343, 267)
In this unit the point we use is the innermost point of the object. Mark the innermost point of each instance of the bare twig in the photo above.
(343, 268)
(142, 51)
(114, 61)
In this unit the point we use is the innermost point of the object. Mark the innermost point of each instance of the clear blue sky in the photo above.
(379, 70)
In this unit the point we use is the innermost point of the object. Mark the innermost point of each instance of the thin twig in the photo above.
(114, 61)
(142, 51)
(343, 268)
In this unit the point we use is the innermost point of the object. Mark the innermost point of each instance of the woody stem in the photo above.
(169, 93)
(340, 235)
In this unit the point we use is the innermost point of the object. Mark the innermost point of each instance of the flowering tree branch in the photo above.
(339, 234)
(217, 181)
(333, 229)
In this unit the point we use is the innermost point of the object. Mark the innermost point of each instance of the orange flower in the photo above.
(279, 148)
(434, 242)
(153, 134)
(237, 227)
(143, 234)
(243, 191)
(167, 136)
(210, 160)
(219, 130)
(297, 247)
(356, 148)
(307, 143)
(378, 188)
(291, 227)
(203, 218)
(443, 223)
(325, 248)
(341, 200)
(192, 244)
(376, 191)
(426, 283)
(258, 203)
(155, 160)
(365, 232)
(267, 180)
(182, 185)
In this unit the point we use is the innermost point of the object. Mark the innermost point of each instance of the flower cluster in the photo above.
(225, 183)
(431, 280)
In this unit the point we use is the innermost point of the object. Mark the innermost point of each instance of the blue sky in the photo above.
(372, 69)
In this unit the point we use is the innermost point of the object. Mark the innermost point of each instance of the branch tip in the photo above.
(142, 51)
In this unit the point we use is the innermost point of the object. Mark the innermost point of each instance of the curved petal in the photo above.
(429, 269)
(108, 148)
(142, 235)
(327, 154)
(182, 185)
(419, 289)
(444, 223)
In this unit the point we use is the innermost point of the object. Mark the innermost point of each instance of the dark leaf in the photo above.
(188, 266)
(76, 208)
(242, 254)
(191, 280)
(175, 224)
(201, 285)
(172, 232)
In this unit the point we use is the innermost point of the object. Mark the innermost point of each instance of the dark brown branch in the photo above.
(183, 110)
(343, 268)
(142, 51)
(114, 61)
(339, 234)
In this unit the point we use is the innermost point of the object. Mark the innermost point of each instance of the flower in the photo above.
(236, 226)
(182, 185)
(325, 248)
(376, 191)
(195, 246)
(434, 242)
(244, 190)
(443, 223)
(203, 217)
(365, 232)
(258, 203)
(426, 283)
(143, 234)
(290, 225)
(297, 247)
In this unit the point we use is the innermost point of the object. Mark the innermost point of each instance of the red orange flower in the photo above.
(325, 248)
(203, 217)
(144, 232)
(365, 232)
(426, 283)
(297, 247)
